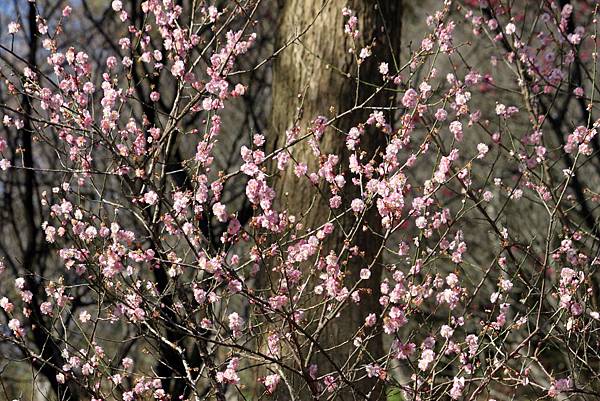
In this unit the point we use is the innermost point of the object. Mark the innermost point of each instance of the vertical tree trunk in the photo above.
(316, 75)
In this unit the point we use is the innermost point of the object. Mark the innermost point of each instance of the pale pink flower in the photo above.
(13, 27)
(127, 363)
(235, 324)
(482, 148)
(335, 202)
(457, 388)
(213, 13)
(15, 326)
(510, 28)
(84, 316)
(383, 68)
(410, 98)
(6, 305)
(446, 331)
(365, 52)
(457, 130)
(426, 358)
(178, 68)
(229, 375)
(370, 320)
(441, 115)
(357, 205)
(46, 308)
(151, 198)
(271, 382)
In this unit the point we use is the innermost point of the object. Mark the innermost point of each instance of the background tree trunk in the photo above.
(314, 76)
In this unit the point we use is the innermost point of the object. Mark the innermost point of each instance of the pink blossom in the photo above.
(374, 370)
(84, 317)
(229, 376)
(446, 331)
(178, 69)
(151, 198)
(457, 130)
(278, 302)
(4, 164)
(331, 383)
(6, 305)
(46, 308)
(426, 358)
(576, 37)
(235, 324)
(15, 326)
(482, 148)
(300, 169)
(357, 205)
(560, 386)
(20, 283)
(220, 211)
(457, 388)
(403, 350)
(117, 5)
(271, 382)
(441, 115)
(426, 44)
(234, 226)
(127, 363)
(410, 98)
(383, 68)
(336, 201)
(111, 62)
(394, 320)
(213, 13)
(13, 27)
(510, 28)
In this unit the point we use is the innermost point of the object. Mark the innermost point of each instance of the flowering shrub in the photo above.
(463, 206)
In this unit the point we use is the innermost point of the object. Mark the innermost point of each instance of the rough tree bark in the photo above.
(316, 75)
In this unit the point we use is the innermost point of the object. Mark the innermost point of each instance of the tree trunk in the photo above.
(317, 76)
